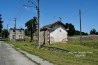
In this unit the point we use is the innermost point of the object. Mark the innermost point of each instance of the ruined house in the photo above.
(17, 34)
(53, 33)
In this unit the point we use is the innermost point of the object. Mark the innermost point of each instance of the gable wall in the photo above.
(59, 34)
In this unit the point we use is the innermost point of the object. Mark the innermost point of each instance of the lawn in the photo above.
(82, 54)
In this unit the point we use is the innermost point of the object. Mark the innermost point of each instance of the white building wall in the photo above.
(19, 35)
(59, 34)
(11, 34)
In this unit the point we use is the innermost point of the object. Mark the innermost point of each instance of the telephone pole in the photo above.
(7, 26)
(38, 11)
(80, 26)
(15, 27)
(38, 18)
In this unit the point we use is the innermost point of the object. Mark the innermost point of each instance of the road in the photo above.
(9, 56)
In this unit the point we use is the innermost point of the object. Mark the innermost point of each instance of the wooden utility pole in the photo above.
(15, 27)
(38, 11)
(38, 16)
(7, 26)
(80, 27)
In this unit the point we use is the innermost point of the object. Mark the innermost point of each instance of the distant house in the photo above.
(17, 34)
(53, 33)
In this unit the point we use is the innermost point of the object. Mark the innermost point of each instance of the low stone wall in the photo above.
(53, 49)
(89, 37)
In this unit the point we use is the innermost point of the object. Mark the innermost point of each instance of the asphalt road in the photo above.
(9, 56)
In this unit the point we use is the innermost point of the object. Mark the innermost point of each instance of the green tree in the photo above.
(96, 33)
(1, 26)
(4, 33)
(78, 33)
(31, 26)
(93, 31)
(71, 29)
(83, 33)
(27, 33)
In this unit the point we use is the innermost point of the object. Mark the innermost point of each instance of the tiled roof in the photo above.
(16, 29)
(50, 25)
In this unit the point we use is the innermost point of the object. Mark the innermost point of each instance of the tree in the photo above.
(93, 31)
(71, 29)
(27, 33)
(96, 33)
(4, 33)
(1, 26)
(31, 26)
(78, 33)
(83, 33)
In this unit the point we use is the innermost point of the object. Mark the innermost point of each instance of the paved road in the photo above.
(9, 56)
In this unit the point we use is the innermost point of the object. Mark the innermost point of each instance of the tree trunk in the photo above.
(31, 36)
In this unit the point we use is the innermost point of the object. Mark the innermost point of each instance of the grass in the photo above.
(87, 55)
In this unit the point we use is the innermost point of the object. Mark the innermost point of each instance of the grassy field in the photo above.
(83, 54)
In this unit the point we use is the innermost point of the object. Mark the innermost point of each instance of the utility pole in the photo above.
(7, 26)
(15, 27)
(38, 16)
(80, 27)
(60, 18)
(38, 11)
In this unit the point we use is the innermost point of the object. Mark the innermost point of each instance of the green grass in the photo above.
(62, 58)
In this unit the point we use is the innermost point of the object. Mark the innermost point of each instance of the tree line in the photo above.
(72, 31)
(93, 31)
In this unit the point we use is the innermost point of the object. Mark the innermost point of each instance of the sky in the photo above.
(50, 11)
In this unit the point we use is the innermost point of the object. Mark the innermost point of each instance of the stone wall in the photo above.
(89, 37)
(44, 37)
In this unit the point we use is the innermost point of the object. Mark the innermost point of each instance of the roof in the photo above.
(51, 25)
(16, 29)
